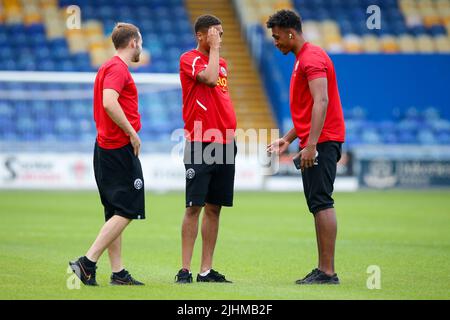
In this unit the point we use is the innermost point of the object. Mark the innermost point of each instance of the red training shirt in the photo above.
(114, 74)
(205, 108)
(313, 62)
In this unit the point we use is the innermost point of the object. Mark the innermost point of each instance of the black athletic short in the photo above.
(318, 180)
(120, 182)
(210, 169)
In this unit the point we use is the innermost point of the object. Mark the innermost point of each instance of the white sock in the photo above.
(205, 273)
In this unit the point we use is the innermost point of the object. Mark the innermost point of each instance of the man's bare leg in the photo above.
(326, 231)
(110, 231)
(115, 254)
(210, 230)
(319, 253)
(189, 231)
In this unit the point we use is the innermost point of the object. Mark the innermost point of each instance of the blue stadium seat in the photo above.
(426, 137)
(26, 65)
(437, 30)
(106, 12)
(42, 53)
(6, 110)
(389, 138)
(3, 39)
(398, 28)
(47, 65)
(417, 30)
(431, 114)
(67, 66)
(18, 40)
(35, 29)
(443, 138)
(10, 136)
(25, 124)
(406, 138)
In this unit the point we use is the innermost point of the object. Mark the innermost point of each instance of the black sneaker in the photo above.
(318, 277)
(309, 275)
(212, 276)
(85, 274)
(183, 276)
(127, 280)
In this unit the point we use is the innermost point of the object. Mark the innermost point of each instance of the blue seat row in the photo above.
(27, 47)
(351, 15)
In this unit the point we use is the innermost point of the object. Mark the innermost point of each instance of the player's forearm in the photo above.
(290, 136)
(117, 115)
(319, 112)
(212, 70)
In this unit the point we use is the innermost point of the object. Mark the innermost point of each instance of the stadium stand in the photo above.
(339, 26)
(43, 42)
(33, 37)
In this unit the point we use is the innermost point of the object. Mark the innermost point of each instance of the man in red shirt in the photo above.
(117, 168)
(319, 124)
(210, 124)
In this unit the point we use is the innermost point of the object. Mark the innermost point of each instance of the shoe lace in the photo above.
(217, 275)
(129, 277)
(311, 273)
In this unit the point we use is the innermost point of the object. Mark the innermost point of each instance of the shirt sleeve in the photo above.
(191, 65)
(115, 78)
(314, 66)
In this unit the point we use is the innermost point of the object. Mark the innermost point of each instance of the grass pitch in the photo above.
(266, 242)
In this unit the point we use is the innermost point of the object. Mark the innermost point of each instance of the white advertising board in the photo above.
(74, 171)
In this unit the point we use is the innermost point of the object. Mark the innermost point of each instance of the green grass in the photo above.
(266, 242)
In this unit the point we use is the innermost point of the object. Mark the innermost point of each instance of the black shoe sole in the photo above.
(318, 282)
(183, 281)
(114, 283)
(227, 281)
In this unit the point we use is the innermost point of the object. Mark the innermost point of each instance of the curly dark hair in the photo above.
(285, 19)
(205, 21)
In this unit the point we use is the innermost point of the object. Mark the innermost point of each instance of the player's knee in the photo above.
(212, 210)
(193, 211)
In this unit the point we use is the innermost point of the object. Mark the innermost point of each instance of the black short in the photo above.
(318, 181)
(120, 182)
(210, 172)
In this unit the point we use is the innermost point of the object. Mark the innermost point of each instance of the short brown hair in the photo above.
(123, 33)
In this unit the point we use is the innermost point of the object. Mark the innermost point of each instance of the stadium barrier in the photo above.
(405, 167)
(162, 172)
(74, 171)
